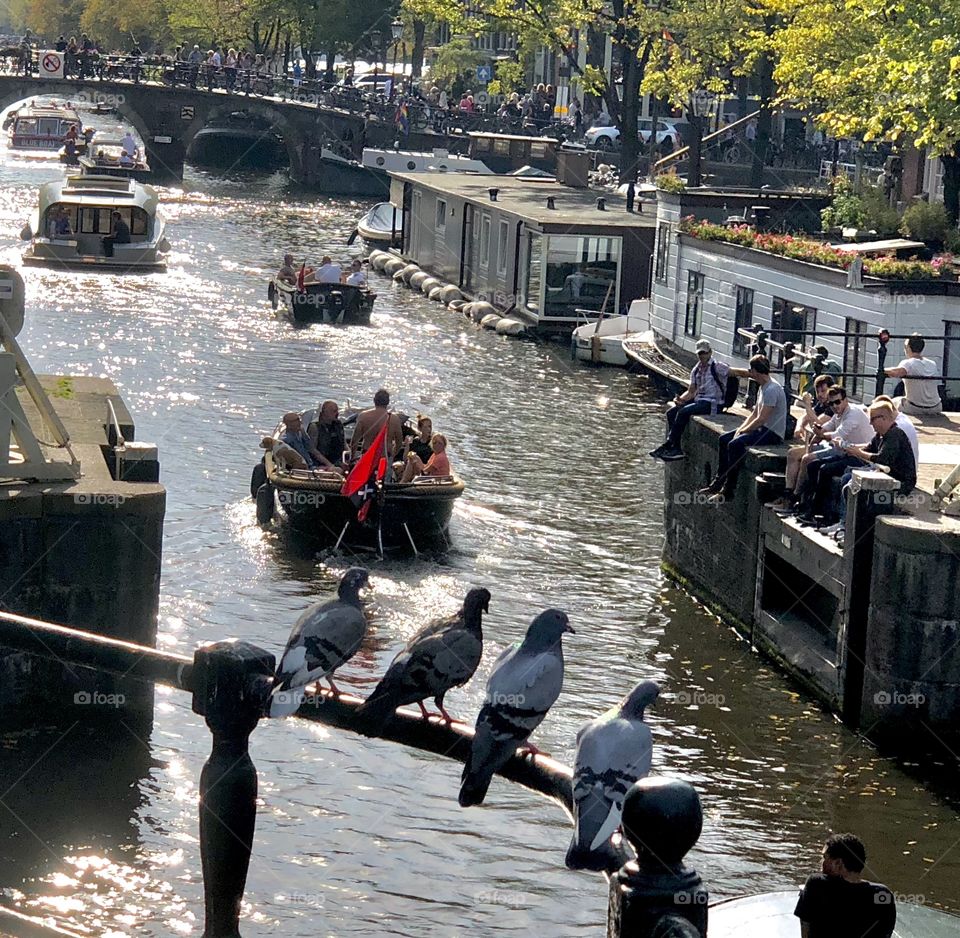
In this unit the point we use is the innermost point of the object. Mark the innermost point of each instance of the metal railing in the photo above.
(230, 683)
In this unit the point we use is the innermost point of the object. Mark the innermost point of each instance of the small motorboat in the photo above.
(41, 127)
(108, 158)
(601, 342)
(381, 226)
(402, 517)
(338, 304)
(88, 204)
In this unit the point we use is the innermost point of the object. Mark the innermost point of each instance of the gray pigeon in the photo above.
(613, 751)
(441, 656)
(326, 636)
(523, 685)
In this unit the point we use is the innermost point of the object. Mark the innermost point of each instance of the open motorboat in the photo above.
(338, 304)
(41, 126)
(601, 342)
(381, 226)
(108, 158)
(402, 516)
(89, 203)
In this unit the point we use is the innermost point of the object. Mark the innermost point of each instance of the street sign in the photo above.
(186, 112)
(51, 65)
(162, 138)
(484, 74)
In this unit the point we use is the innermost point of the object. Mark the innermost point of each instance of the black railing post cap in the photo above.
(231, 675)
(662, 819)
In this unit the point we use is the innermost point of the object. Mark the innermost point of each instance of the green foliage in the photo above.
(867, 210)
(455, 65)
(879, 215)
(926, 221)
(670, 182)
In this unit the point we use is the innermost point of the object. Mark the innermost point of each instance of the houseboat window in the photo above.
(414, 224)
(441, 216)
(519, 149)
(743, 319)
(663, 252)
(481, 144)
(533, 279)
(691, 324)
(538, 150)
(855, 354)
(502, 147)
(503, 242)
(485, 240)
(581, 273)
(793, 322)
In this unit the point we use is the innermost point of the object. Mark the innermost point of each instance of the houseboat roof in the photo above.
(526, 197)
(106, 191)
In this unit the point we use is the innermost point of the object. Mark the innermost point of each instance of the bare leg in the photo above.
(802, 473)
(413, 468)
(794, 455)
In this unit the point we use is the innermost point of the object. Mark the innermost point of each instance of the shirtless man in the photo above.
(370, 422)
(287, 273)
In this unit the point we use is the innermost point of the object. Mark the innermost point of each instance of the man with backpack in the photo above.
(710, 382)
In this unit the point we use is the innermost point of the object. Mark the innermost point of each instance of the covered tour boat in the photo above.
(41, 127)
(337, 304)
(401, 517)
(87, 203)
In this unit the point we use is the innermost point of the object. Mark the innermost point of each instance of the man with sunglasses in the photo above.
(708, 382)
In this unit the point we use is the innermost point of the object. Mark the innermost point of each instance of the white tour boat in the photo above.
(40, 126)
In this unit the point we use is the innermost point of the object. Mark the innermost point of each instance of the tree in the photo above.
(884, 69)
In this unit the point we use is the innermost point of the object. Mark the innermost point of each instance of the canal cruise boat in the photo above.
(41, 127)
(409, 516)
(89, 203)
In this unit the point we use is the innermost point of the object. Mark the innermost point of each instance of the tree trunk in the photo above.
(629, 123)
(695, 164)
(764, 123)
(331, 56)
(951, 184)
(653, 151)
(416, 57)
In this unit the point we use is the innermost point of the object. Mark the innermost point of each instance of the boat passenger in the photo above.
(370, 422)
(129, 144)
(294, 435)
(327, 272)
(119, 234)
(437, 465)
(61, 224)
(420, 444)
(287, 273)
(356, 277)
(326, 435)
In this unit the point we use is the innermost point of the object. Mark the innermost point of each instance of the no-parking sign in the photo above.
(51, 64)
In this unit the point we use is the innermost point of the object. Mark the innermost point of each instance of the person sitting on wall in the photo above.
(904, 423)
(921, 396)
(119, 234)
(327, 437)
(437, 465)
(766, 425)
(817, 411)
(704, 395)
(327, 272)
(838, 901)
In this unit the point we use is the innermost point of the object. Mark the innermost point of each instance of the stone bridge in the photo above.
(169, 117)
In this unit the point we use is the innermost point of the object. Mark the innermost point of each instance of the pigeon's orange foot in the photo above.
(333, 688)
(423, 710)
(528, 749)
(446, 718)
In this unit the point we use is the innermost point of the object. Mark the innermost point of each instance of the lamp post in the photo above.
(396, 31)
(701, 103)
(375, 45)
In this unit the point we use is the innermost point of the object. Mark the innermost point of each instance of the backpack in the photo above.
(730, 390)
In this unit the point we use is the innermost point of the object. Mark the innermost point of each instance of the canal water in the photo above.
(562, 508)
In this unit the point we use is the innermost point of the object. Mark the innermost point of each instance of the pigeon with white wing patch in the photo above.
(325, 637)
(613, 751)
(524, 684)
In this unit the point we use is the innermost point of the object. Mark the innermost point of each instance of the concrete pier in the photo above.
(870, 629)
(84, 553)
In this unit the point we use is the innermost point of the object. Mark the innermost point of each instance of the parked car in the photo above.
(607, 138)
(370, 83)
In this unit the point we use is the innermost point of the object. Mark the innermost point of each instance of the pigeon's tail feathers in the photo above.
(377, 709)
(284, 700)
(488, 754)
(608, 858)
(610, 823)
(474, 787)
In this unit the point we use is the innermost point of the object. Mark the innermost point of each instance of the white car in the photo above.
(607, 138)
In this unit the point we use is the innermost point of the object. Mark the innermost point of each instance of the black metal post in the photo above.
(231, 684)
(759, 347)
(788, 353)
(656, 894)
(882, 340)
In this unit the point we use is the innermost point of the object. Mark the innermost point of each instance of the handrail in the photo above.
(120, 441)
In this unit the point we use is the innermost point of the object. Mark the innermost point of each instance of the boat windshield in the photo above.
(97, 220)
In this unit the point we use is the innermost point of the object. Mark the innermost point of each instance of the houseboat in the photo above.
(41, 127)
(551, 255)
(710, 285)
(506, 153)
(87, 204)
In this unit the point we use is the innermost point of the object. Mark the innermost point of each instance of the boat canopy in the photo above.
(100, 191)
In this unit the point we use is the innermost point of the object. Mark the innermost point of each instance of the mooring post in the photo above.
(231, 683)
(883, 337)
(656, 896)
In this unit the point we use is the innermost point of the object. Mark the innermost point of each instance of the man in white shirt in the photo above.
(129, 144)
(356, 277)
(327, 272)
(921, 396)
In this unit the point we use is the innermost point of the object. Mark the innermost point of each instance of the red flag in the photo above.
(364, 471)
(301, 275)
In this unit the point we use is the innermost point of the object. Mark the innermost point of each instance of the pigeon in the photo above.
(523, 685)
(442, 655)
(613, 751)
(326, 636)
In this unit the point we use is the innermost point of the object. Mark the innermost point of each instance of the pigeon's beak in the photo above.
(569, 628)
